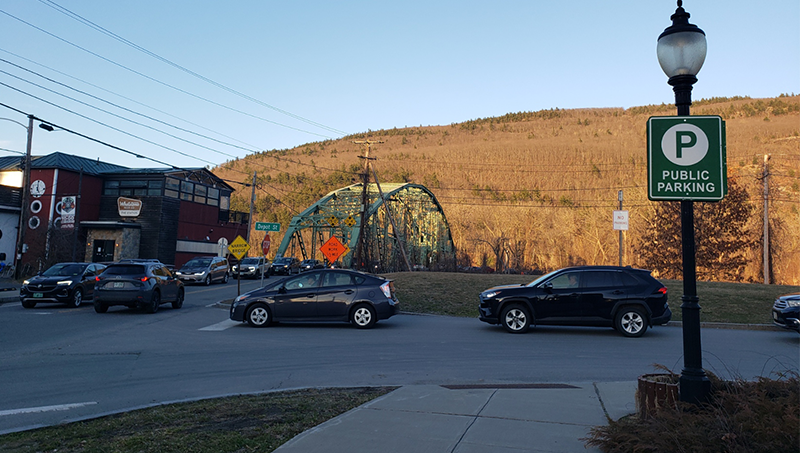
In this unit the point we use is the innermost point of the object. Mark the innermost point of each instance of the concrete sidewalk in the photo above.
(464, 419)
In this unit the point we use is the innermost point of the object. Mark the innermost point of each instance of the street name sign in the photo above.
(686, 158)
(268, 226)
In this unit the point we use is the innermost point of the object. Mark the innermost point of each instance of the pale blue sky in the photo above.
(353, 66)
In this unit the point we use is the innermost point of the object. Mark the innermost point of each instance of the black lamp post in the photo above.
(681, 52)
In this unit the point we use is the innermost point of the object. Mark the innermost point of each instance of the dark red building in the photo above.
(85, 210)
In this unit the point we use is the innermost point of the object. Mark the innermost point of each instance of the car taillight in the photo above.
(97, 279)
(662, 290)
(144, 279)
(387, 290)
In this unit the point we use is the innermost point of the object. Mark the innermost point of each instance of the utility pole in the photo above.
(766, 218)
(361, 246)
(23, 217)
(252, 206)
(619, 196)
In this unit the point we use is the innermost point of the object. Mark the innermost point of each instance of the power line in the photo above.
(91, 24)
(128, 99)
(102, 124)
(164, 83)
(117, 116)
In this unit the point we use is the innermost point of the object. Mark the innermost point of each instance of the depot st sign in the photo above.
(686, 158)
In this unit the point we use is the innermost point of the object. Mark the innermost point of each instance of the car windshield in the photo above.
(125, 269)
(541, 279)
(250, 261)
(65, 269)
(198, 263)
(282, 260)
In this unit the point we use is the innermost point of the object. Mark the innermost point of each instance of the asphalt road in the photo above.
(59, 364)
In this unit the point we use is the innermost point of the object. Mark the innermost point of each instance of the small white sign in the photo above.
(621, 220)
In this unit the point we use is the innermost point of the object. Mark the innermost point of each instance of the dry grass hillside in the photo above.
(536, 190)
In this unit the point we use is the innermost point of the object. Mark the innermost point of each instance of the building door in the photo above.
(103, 250)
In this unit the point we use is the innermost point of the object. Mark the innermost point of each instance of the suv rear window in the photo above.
(126, 269)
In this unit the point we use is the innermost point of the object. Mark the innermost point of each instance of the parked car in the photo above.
(65, 283)
(319, 295)
(307, 265)
(251, 267)
(627, 299)
(137, 285)
(786, 311)
(284, 266)
(205, 270)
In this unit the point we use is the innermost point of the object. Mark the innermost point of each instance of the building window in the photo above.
(225, 202)
(173, 184)
(213, 193)
(154, 188)
(200, 190)
(171, 193)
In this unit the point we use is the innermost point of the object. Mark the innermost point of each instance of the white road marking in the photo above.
(60, 407)
(227, 324)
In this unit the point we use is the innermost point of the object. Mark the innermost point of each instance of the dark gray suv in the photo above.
(627, 299)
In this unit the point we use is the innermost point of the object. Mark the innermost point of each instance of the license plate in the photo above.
(38, 294)
(119, 285)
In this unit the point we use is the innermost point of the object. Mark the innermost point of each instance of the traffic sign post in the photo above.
(686, 158)
(265, 245)
(268, 226)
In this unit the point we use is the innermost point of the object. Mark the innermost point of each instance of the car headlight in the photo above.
(490, 294)
(239, 299)
(26, 282)
(793, 302)
(65, 282)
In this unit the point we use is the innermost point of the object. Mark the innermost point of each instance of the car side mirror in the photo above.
(282, 289)
(548, 287)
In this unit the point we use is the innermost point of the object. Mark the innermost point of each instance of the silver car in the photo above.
(205, 270)
(250, 267)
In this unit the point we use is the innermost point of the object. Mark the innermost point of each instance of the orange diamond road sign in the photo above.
(332, 249)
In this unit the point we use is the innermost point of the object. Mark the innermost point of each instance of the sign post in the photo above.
(238, 248)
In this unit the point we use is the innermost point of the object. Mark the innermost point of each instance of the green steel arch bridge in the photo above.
(404, 229)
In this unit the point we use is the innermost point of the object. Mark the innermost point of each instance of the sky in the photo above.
(195, 83)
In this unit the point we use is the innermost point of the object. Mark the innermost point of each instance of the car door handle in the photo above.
(618, 292)
(349, 291)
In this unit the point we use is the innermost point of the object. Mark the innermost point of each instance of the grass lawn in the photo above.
(253, 423)
(456, 294)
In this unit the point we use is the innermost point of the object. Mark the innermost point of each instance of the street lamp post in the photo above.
(681, 52)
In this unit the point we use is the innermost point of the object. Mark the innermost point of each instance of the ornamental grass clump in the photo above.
(759, 416)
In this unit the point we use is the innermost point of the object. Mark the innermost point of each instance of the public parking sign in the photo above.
(686, 158)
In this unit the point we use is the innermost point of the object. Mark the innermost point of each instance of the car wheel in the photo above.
(28, 304)
(207, 281)
(258, 315)
(100, 307)
(179, 300)
(155, 301)
(515, 318)
(631, 322)
(225, 278)
(363, 316)
(77, 298)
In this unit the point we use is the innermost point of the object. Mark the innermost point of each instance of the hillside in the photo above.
(539, 187)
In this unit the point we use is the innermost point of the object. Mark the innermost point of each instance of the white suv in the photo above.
(251, 267)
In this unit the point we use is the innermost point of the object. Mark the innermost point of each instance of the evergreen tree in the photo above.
(723, 239)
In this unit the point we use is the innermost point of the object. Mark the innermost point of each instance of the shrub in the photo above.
(741, 417)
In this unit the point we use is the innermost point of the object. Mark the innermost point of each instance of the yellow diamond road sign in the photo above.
(238, 247)
(350, 221)
(333, 220)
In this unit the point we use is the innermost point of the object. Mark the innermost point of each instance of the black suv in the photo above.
(786, 311)
(144, 285)
(67, 283)
(284, 266)
(627, 299)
